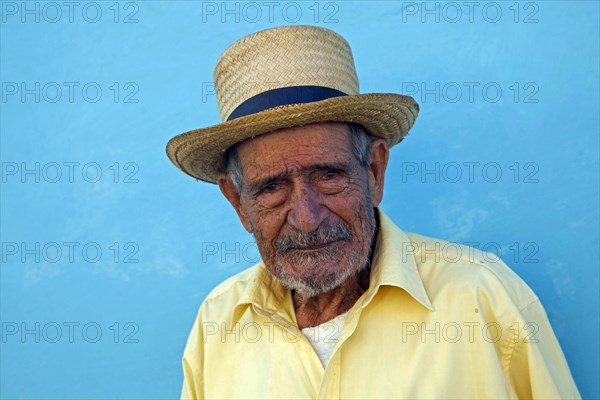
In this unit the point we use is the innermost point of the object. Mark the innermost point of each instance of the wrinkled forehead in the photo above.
(297, 147)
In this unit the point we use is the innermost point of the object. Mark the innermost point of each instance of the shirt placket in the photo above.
(308, 358)
(330, 385)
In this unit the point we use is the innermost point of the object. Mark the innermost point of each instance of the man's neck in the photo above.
(316, 310)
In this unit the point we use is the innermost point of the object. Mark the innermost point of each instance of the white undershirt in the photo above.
(324, 337)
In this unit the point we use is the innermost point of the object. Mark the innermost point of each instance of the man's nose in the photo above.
(307, 212)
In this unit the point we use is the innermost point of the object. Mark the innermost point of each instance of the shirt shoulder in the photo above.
(218, 308)
(222, 300)
(235, 283)
(454, 268)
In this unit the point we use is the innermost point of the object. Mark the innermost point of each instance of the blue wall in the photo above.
(108, 250)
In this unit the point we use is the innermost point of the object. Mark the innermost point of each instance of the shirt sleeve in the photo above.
(538, 368)
(192, 381)
(193, 378)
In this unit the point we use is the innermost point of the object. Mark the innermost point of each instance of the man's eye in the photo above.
(330, 174)
(269, 188)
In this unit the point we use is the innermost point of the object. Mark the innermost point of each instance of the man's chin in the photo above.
(313, 277)
(311, 287)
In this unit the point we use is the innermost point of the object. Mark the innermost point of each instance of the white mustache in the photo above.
(326, 233)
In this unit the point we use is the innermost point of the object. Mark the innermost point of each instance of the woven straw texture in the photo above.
(283, 57)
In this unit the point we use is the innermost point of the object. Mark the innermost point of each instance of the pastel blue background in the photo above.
(551, 212)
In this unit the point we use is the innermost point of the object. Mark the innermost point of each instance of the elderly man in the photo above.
(344, 304)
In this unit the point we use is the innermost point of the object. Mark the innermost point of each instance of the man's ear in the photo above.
(376, 169)
(229, 191)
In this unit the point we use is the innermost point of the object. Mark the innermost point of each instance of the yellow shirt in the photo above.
(439, 320)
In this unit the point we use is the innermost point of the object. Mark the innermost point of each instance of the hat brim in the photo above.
(200, 153)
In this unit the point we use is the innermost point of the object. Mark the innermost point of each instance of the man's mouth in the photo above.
(315, 247)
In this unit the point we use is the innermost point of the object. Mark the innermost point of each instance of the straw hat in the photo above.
(281, 78)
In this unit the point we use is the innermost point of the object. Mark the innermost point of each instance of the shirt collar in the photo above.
(393, 264)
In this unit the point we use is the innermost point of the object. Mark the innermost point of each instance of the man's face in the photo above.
(309, 204)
